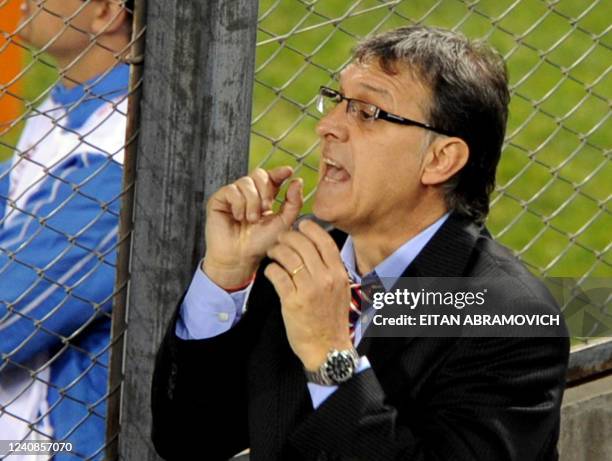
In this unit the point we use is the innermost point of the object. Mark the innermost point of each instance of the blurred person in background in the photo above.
(263, 350)
(59, 208)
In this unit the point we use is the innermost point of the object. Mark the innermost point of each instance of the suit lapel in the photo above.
(294, 399)
(279, 389)
(279, 396)
(447, 254)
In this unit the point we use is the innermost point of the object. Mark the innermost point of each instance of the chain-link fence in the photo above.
(63, 105)
(551, 205)
(62, 139)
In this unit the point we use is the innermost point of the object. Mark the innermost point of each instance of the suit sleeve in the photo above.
(494, 398)
(57, 257)
(204, 381)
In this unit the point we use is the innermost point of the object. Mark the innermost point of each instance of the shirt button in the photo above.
(223, 316)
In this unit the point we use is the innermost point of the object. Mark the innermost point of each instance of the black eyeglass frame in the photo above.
(325, 92)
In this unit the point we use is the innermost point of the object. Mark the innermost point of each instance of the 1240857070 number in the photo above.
(33, 447)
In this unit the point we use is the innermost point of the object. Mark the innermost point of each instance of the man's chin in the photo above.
(322, 213)
(328, 215)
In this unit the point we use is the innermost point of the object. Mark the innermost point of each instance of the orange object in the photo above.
(11, 62)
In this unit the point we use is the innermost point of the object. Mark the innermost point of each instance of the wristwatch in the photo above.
(339, 367)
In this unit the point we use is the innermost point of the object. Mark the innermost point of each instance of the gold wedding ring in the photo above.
(297, 269)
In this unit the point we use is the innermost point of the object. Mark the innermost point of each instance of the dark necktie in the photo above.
(354, 308)
(361, 296)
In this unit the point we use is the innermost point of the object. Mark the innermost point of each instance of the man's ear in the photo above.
(445, 157)
(109, 17)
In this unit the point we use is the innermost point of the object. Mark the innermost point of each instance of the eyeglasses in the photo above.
(328, 99)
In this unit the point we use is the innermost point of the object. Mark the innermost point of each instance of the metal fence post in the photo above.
(122, 276)
(194, 137)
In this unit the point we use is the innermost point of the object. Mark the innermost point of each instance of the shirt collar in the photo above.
(395, 264)
(83, 100)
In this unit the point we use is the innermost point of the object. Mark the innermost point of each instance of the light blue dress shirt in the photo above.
(208, 310)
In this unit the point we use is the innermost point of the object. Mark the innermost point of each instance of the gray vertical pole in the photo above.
(194, 135)
(119, 318)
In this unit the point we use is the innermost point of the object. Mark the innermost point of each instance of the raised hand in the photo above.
(241, 226)
(312, 284)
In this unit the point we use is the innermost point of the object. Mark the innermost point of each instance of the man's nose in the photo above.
(334, 124)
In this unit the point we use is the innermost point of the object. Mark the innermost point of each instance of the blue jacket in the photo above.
(57, 261)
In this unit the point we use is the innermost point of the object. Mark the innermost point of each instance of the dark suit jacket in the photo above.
(423, 399)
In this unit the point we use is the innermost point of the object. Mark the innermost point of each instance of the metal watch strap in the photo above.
(323, 376)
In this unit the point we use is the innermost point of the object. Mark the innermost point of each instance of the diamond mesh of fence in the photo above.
(551, 204)
(63, 115)
(59, 214)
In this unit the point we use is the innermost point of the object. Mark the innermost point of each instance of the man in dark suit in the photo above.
(259, 353)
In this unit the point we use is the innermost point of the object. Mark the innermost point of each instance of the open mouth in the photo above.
(334, 172)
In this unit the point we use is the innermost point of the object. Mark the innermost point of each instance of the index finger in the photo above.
(326, 246)
(280, 174)
(268, 183)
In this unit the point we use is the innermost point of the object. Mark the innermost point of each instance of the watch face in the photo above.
(340, 366)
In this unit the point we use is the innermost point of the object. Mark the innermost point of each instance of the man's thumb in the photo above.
(294, 199)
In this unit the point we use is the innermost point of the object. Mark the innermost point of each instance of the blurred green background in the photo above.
(554, 180)
(551, 205)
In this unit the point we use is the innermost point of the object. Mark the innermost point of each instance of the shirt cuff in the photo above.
(320, 393)
(208, 310)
